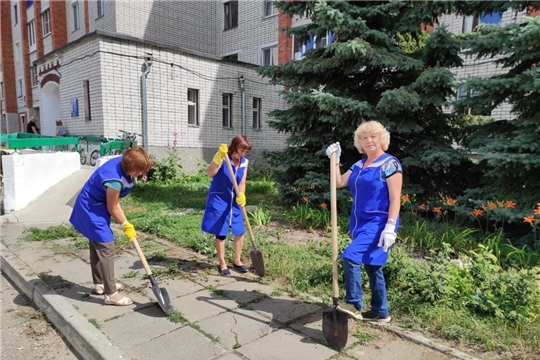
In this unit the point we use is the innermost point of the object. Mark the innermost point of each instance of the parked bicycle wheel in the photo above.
(93, 157)
(83, 153)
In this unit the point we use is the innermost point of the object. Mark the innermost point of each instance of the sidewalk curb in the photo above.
(89, 342)
(419, 339)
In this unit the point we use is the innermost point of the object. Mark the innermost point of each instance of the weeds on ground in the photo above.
(51, 233)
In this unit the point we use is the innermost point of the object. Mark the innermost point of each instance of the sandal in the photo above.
(122, 302)
(100, 289)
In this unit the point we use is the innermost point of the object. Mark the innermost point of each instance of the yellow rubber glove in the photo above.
(129, 230)
(221, 153)
(241, 199)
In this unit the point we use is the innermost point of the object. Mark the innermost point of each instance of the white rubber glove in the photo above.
(388, 237)
(335, 147)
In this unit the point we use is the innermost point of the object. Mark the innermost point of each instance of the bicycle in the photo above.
(81, 150)
(114, 146)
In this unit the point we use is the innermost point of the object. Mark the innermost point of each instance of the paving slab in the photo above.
(230, 356)
(135, 328)
(285, 344)
(246, 290)
(183, 343)
(284, 309)
(237, 327)
(203, 304)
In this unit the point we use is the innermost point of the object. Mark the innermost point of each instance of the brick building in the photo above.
(94, 64)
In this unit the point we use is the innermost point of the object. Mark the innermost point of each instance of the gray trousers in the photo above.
(102, 265)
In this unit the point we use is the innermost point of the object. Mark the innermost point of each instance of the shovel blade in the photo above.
(162, 297)
(335, 327)
(257, 262)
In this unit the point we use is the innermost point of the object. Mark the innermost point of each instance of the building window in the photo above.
(15, 15)
(32, 35)
(269, 56)
(268, 8)
(86, 90)
(227, 111)
(257, 103)
(230, 11)
(20, 92)
(46, 21)
(17, 54)
(494, 18)
(33, 75)
(75, 10)
(193, 107)
(100, 8)
(314, 42)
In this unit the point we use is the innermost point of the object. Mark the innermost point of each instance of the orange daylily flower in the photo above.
(509, 204)
(476, 212)
(405, 198)
(437, 209)
(451, 202)
(528, 219)
(491, 205)
(422, 207)
(324, 206)
(537, 211)
(305, 199)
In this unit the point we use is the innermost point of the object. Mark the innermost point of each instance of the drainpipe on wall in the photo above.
(243, 89)
(145, 69)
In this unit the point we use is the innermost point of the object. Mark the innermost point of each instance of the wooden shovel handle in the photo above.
(237, 191)
(141, 255)
(333, 219)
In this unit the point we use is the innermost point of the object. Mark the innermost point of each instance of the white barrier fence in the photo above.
(27, 176)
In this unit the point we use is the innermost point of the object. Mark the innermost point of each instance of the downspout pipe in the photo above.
(243, 90)
(146, 69)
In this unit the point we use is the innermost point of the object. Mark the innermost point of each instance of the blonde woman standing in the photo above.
(375, 183)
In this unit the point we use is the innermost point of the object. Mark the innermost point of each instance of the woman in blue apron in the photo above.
(375, 183)
(98, 201)
(223, 208)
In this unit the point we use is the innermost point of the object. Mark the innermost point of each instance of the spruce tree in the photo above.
(381, 66)
(510, 148)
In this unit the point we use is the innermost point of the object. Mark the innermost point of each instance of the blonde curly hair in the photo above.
(371, 127)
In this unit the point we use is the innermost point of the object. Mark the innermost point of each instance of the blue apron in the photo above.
(369, 213)
(90, 216)
(221, 211)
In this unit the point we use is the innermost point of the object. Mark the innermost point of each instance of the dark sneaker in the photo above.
(350, 310)
(369, 316)
(225, 272)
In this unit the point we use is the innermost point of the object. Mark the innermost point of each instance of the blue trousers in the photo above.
(353, 286)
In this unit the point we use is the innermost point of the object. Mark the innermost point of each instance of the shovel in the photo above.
(256, 256)
(161, 294)
(335, 325)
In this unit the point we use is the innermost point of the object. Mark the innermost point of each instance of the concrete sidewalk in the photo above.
(235, 317)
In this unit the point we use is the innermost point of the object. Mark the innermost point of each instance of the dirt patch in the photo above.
(26, 333)
(281, 231)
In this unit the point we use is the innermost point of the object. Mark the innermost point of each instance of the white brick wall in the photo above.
(253, 31)
(73, 33)
(115, 88)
